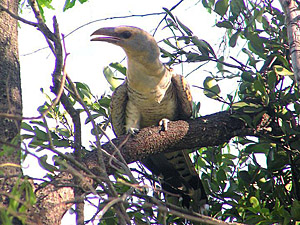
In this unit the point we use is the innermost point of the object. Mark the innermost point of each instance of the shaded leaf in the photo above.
(169, 13)
(184, 27)
(111, 79)
(233, 38)
(119, 67)
(212, 89)
(43, 163)
(225, 24)
(258, 148)
(221, 7)
(280, 70)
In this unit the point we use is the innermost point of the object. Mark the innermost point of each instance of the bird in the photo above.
(153, 94)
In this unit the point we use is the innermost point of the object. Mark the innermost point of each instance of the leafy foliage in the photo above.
(252, 179)
(21, 199)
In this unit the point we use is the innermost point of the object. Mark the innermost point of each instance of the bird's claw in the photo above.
(164, 124)
(133, 131)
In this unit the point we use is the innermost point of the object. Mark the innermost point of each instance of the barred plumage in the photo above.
(149, 94)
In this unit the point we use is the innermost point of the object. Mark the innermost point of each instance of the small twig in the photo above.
(219, 98)
(242, 64)
(73, 113)
(11, 116)
(99, 20)
(111, 203)
(120, 207)
(75, 172)
(17, 17)
(42, 26)
(51, 146)
(173, 7)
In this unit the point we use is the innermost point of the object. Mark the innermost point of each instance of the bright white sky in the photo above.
(87, 59)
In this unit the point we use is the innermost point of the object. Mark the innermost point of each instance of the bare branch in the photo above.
(17, 17)
(211, 130)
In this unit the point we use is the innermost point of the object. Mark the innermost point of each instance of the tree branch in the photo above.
(211, 130)
(17, 17)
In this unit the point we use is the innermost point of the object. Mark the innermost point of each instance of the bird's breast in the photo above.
(154, 105)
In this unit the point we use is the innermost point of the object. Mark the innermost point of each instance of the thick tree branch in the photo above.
(211, 130)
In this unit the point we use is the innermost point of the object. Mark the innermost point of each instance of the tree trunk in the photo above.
(292, 13)
(10, 99)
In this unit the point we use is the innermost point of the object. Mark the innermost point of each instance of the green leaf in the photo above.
(258, 14)
(297, 108)
(95, 116)
(212, 89)
(220, 65)
(196, 109)
(258, 148)
(69, 4)
(221, 176)
(186, 40)
(255, 203)
(258, 85)
(169, 13)
(203, 46)
(245, 176)
(195, 57)
(84, 91)
(61, 143)
(295, 211)
(246, 118)
(26, 126)
(279, 70)
(221, 7)
(251, 57)
(119, 67)
(166, 54)
(185, 28)
(45, 3)
(166, 41)
(247, 76)
(247, 107)
(225, 24)
(233, 38)
(43, 163)
(256, 42)
(272, 80)
(236, 7)
(111, 79)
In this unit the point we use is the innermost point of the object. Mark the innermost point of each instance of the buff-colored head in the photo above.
(137, 43)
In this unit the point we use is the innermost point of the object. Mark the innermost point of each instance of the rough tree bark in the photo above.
(211, 130)
(10, 97)
(292, 13)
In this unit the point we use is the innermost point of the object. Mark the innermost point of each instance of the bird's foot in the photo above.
(164, 124)
(133, 130)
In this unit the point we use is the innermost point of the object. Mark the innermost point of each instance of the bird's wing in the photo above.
(184, 96)
(177, 169)
(118, 104)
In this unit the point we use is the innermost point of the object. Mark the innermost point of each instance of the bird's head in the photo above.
(137, 43)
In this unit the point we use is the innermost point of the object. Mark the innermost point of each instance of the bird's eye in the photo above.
(126, 34)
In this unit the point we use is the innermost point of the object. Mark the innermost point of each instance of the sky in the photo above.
(87, 59)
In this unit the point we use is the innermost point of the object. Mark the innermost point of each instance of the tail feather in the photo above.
(179, 178)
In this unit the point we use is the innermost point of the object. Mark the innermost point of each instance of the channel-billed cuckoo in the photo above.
(151, 94)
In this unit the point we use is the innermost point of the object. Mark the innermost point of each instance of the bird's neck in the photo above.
(144, 76)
